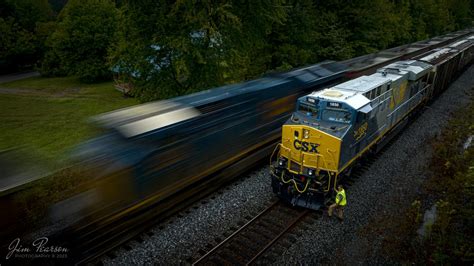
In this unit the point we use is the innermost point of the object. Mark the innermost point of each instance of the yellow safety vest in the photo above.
(341, 198)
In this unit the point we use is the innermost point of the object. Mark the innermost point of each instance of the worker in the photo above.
(340, 203)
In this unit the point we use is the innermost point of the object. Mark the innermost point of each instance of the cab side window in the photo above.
(361, 117)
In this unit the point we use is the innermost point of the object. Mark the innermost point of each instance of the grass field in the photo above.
(48, 116)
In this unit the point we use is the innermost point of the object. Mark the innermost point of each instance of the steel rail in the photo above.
(255, 219)
(210, 252)
(291, 225)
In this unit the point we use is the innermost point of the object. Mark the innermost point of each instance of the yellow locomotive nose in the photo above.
(307, 148)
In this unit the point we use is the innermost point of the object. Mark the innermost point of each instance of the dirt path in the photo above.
(18, 76)
(28, 92)
(17, 91)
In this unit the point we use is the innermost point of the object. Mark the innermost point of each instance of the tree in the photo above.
(462, 13)
(256, 41)
(173, 48)
(20, 44)
(79, 45)
(57, 5)
(15, 44)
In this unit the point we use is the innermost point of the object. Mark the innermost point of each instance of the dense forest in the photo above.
(170, 48)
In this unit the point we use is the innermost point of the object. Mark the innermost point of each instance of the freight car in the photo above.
(368, 64)
(333, 128)
(449, 62)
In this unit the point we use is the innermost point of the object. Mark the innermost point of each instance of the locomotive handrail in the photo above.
(335, 181)
(271, 156)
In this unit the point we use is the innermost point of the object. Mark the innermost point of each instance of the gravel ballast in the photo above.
(181, 237)
(391, 183)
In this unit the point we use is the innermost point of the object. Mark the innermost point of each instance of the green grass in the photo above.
(48, 116)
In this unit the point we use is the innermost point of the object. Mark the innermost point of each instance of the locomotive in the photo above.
(333, 128)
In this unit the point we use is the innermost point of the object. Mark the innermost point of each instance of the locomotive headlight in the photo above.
(310, 172)
(305, 133)
(311, 100)
(282, 161)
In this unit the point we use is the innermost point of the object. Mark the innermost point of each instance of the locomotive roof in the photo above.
(137, 120)
(352, 92)
(351, 97)
(363, 83)
(412, 68)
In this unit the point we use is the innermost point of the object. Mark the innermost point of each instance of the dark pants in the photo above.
(339, 208)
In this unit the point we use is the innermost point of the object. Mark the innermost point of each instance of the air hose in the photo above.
(295, 184)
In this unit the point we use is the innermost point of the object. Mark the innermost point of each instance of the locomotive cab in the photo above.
(310, 151)
(331, 129)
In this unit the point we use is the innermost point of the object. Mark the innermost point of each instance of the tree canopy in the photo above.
(78, 46)
(170, 48)
(21, 33)
(173, 48)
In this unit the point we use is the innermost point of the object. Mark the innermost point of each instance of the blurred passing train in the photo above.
(155, 150)
(333, 128)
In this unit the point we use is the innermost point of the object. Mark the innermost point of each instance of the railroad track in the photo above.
(248, 243)
(254, 238)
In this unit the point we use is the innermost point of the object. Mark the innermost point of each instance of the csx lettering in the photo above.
(305, 146)
(360, 132)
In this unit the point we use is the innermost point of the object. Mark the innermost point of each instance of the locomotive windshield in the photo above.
(308, 110)
(340, 116)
